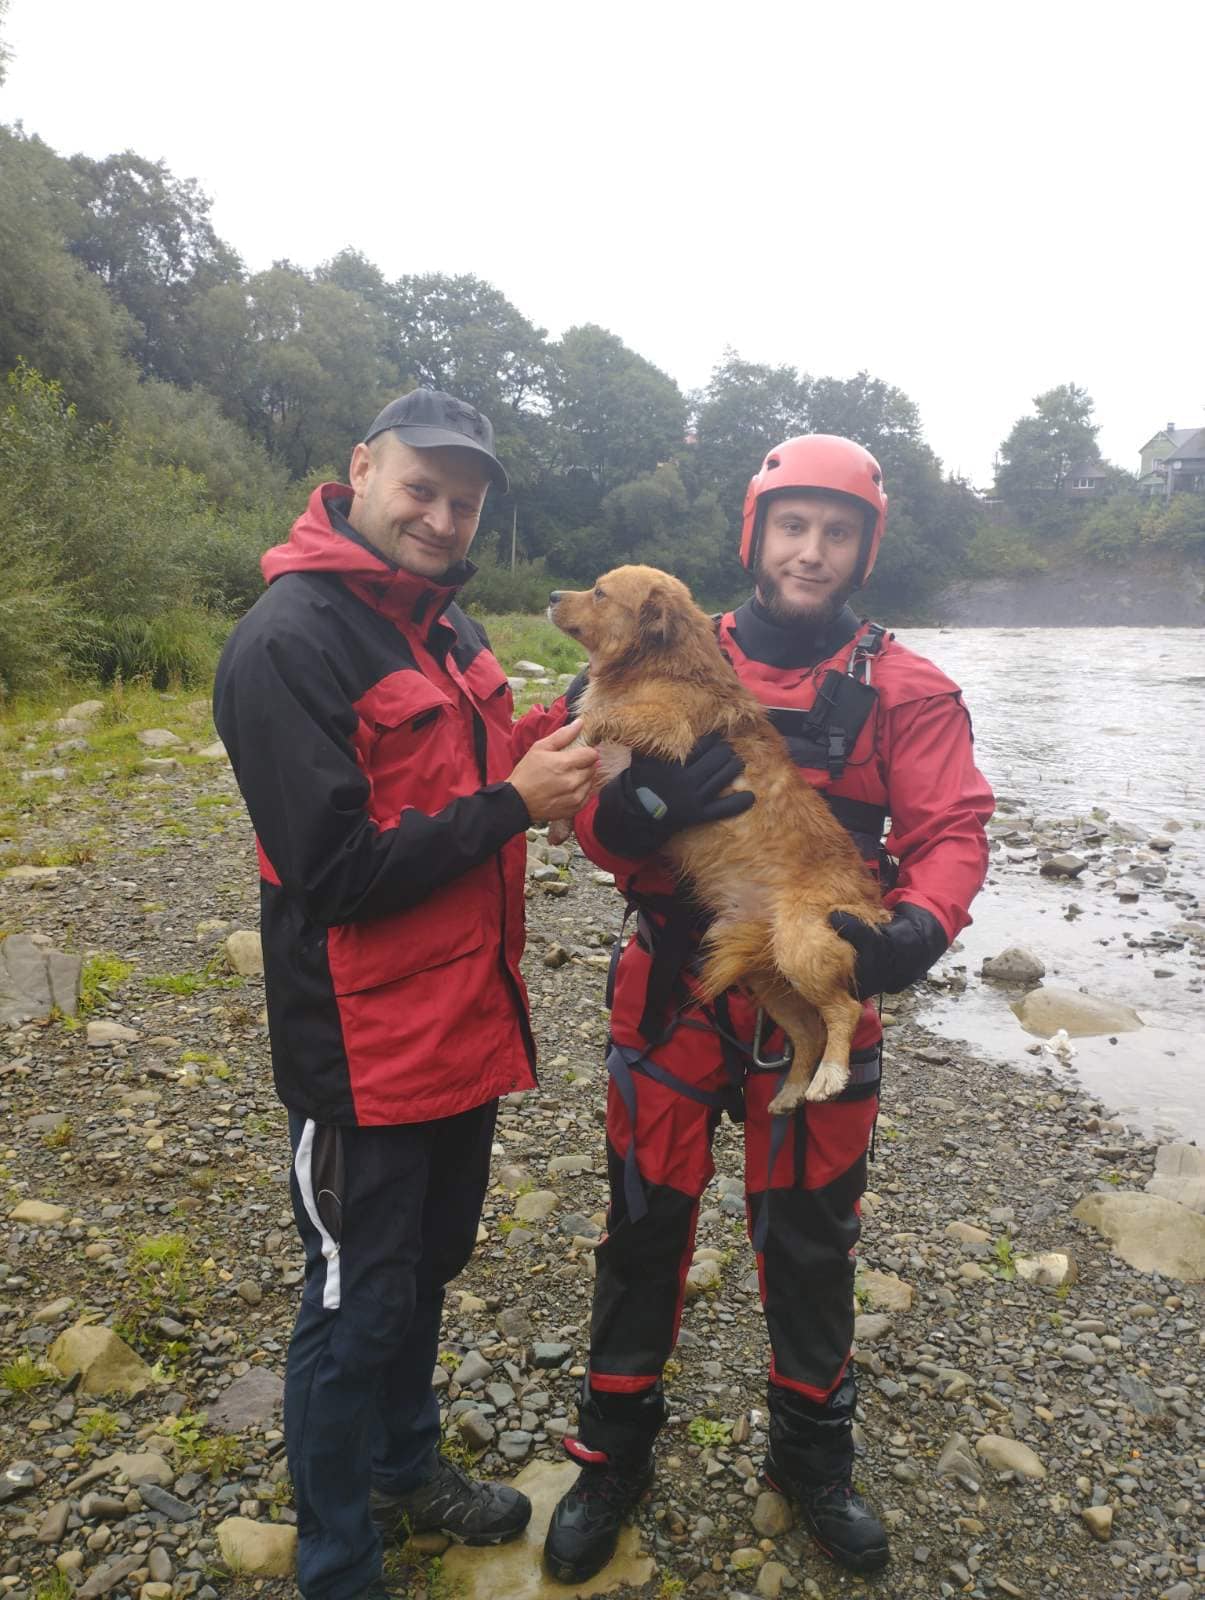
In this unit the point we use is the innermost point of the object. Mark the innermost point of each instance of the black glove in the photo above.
(894, 954)
(642, 807)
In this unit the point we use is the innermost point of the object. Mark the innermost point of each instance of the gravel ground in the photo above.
(167, 1153)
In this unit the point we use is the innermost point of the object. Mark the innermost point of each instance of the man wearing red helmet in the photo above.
(883, 734)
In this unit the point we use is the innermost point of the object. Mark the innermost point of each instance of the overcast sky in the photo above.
(973, 202)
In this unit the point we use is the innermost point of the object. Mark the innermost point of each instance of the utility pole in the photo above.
(514, 528)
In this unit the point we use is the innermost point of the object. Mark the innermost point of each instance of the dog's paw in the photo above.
(829, 1078)
(788, 1098)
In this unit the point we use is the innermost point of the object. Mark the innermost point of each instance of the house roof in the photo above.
(1189, 442)
(1088, 469)
(1178, 437)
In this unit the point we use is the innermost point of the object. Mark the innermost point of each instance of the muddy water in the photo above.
(1070, 724)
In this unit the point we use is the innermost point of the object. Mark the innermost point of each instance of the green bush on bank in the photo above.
(111, 561)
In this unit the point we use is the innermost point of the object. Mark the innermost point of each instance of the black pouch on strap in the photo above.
(824, 737)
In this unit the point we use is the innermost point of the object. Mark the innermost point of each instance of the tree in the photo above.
(54, 314)
(745, 410)
(148, 237)
(5, 52)
(1040, 451)
(296, 362)
(615, 414)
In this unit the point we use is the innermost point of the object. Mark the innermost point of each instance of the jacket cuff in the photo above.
(509, 810)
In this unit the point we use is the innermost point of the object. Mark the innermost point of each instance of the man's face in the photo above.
(418, 507)
(808, 557)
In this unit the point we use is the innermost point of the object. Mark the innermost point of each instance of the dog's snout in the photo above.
(554, 597)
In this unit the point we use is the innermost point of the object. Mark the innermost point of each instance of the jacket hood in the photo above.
(322, 540)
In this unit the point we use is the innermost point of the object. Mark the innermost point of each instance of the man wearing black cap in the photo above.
(370, 731)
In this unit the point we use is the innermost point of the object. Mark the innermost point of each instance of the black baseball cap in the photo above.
(425, 418)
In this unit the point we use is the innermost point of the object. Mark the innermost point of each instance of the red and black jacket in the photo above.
(912, 761)
(370, 730)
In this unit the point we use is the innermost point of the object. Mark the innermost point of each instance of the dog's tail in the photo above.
(731, 953)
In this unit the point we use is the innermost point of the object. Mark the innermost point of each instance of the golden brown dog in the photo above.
(769, 877)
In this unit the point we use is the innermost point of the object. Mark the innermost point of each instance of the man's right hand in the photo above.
(556, 777)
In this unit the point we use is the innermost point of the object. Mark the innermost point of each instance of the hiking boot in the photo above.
(453, 1503)
(585, 1526)
(839, 1520)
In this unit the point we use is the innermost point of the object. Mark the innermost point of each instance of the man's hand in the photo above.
(555, 778)
(650, 802)
(894, 954)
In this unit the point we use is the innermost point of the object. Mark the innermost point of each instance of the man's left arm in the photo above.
(939, 804)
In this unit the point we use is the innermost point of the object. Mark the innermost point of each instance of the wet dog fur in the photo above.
(770, 877)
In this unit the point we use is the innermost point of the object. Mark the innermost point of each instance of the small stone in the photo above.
(54, 1524)
(702, 1276)
(1063, 866)
(213, 752)
(967, 1233)
(158, 738)
(870, 1326)
(109, 1577)
(536, 1206)
(167, 1505)
(886, 1291)
(244, 953)
(1009, 1455)
(250, 1291)
(1051, 1269)
(105, 1362)
(748, 1558)
(102, 1033)
(555, 956)
(37, 1211)
(772, 1515)
(472, 1369)
(258, 1549)
(515, 1445)
(159, 1564)
(1014, 965)
(550, 1355)
(147, 1467)
(1099, 1520)
(475, 1429)
(249, 1402)
(771, 1578)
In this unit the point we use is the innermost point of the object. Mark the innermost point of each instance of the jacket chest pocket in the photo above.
(412, 747)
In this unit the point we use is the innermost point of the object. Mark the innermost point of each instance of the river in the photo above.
(1068, 720)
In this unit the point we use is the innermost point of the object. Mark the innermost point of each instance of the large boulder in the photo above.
(105, 1362)
(1180, 1161)
(258, 1549)
(1044, 1011)
(1188, 1192)
(34, 979)
(1149, 1232)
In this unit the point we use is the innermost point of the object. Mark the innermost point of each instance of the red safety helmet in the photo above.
(828, 464)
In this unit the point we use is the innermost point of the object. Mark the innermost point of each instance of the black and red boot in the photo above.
(614, 1449)
(810, 1461)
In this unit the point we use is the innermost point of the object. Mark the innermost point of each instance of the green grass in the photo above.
(102, 976)
(706, 1432)
(22, 1375)
(56, 1587)
(516, 637)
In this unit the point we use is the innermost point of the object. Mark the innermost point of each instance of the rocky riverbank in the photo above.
(1030, 1401)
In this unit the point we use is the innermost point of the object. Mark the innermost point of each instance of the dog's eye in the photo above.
(600, 594)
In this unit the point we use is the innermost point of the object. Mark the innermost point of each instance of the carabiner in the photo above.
(779, 1062)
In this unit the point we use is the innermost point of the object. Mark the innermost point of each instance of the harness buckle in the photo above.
(777, 1063)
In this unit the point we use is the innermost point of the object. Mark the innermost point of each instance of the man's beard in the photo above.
(769, 592)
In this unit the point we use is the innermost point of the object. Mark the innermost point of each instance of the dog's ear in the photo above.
(660, 617)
